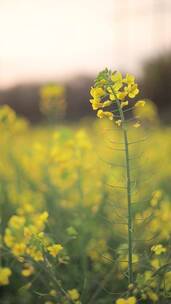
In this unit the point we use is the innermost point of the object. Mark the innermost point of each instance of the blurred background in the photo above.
(53, 49)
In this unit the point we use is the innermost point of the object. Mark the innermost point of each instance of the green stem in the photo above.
(128, 183)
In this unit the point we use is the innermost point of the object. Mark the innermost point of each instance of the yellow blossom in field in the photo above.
(118, 122)
(28, 232)
(19, 249)
(140, 103)
(155, 263)
(121, 95)
(53, 293)
(148, 112)
(158, 249)
(153, 296)
(116, 87)
(116, 77)
(96, 104)
(5, 273)
(156, 196)
(26, 208)
(41, 219)
(52, 91)
(132, 90)
(55, 249)
(35, 254)
(73, 294)
(137, 125)
(121, 301)
(130, 300)
(107, 103)
(16, 221)
(97, 92)
(102, 114)
(112, 97)
(124, 104)
(28, 270)
(44, 216)
(129, 79)
(8, 238)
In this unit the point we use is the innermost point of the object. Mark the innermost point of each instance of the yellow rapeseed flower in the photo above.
(116, 77)
(73, 294)
(140, 103)
(129, 79)
(96, 104)
(121, 95)
(158, 249)
(137, 125)
(19, 249)
(132, 90)
(54, 249)
(53, 293)
(5, 273)
(112, 97)
(107, 103)
(117, 86)
(28, 270)
(97, 92)
(118, 122)
(153, 296)
(130, 300)
(16, 221)
(105, 114)
(35, 254)
(124, 104)
(120, 301)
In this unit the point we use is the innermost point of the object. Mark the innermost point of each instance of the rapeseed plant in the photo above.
(113, 91)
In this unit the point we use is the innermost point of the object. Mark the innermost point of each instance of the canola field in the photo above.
(64, 230)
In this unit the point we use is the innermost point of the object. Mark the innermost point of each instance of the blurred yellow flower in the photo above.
(5, 273)
(28, 270)
(55, 249)
(137, 125)
(118, 122)
(73, 294)
(158, 249)
(124, 104)
(140, 103)
(130, 300)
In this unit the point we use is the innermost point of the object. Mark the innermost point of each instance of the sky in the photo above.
(41, 40)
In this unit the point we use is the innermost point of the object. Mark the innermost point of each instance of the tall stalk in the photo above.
(128, 189)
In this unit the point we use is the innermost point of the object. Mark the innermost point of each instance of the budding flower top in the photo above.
(110, 90)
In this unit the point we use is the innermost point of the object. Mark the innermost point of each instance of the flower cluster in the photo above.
(25, 237)
(9, 122)
(112, 91)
